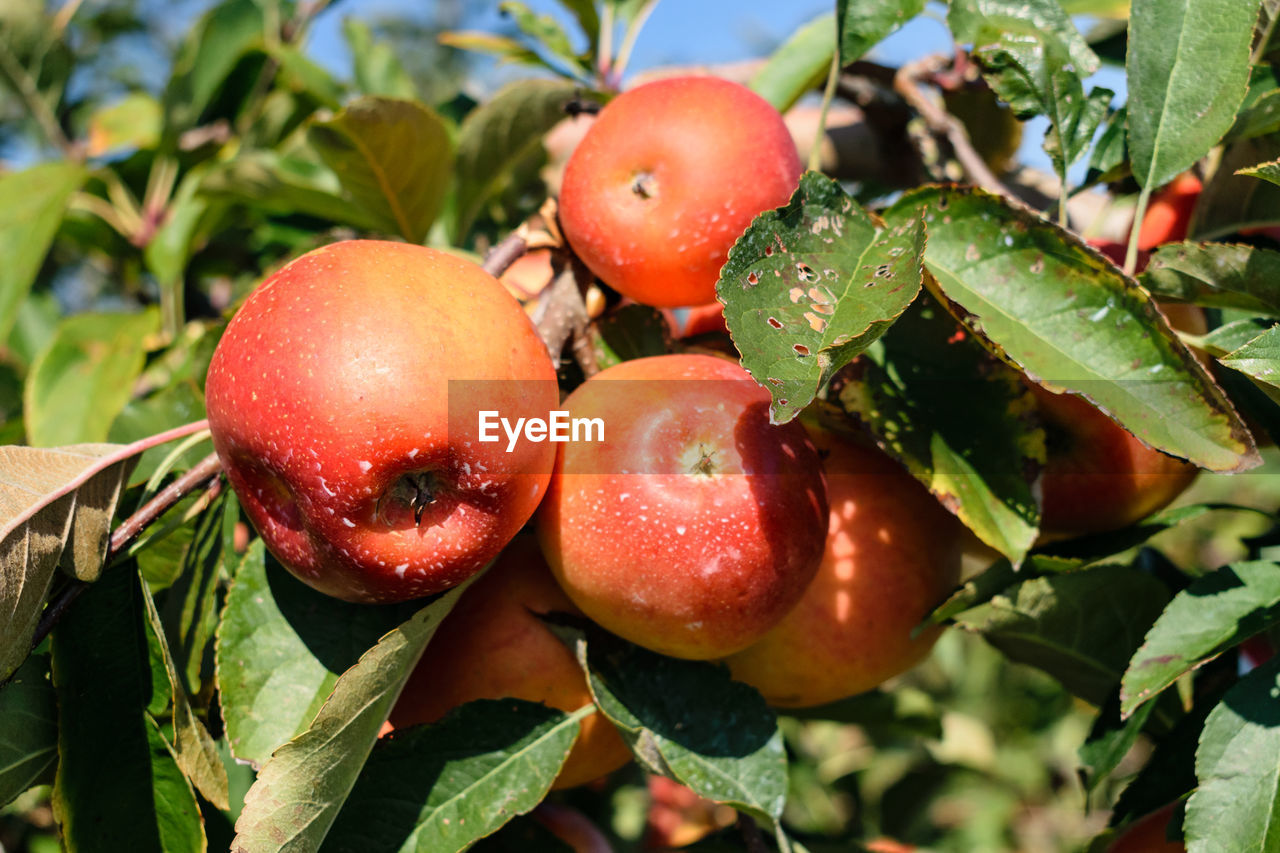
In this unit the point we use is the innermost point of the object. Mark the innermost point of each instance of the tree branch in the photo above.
(907, 84)
(206, 473)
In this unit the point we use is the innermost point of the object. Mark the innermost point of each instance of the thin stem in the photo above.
(38, 109)
(1062, 204)
(604, 53)
(506, 253)
(828, 93)
(63, 19)
(1131, 252)
(102, 209)
(207, 471)
(629, 41)
(1264, 38)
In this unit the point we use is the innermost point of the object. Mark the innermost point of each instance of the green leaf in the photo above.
(1217, 611)
(133, 122)
(305, 77)
(375, 65)
(439, 788)
(995, 579)
(1094, 547)
(191, 744)
(189, 613)
(28, 729)
(1187, 70)
(632, 331)
(545, 32)
(1229, 337)
(690, 721)
(1260, 361)
(209, 54)
(107, 742)
(394, 157)
(32, 203)
(1260, 112)
(1035, 60)
(84, 376)
(171, 247)
(300, 791)
(1110, 740)
(799, 65)
(501, 133)
(1263, 171)
(285, 185)
(862, 25)
(1218, 275)
(958, 419)
(281, 647)
(1080, 627)
(1110, 158)
(58, 506)
(809, 286)
(1238, 765)
(1068, 318)
(504, 48)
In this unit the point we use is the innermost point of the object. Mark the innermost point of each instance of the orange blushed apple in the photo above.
(696, 525)
(668, 177)
(493, 645)
(892, 555)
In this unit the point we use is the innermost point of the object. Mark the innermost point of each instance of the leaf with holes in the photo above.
(961, 422)
(811, 285)
(394, 157)
(1067, 317)
(56, 507)
(1217, 275)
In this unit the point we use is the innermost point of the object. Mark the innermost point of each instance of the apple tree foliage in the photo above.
(168, 687)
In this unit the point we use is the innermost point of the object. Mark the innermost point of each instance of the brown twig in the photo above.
(572, 827)
(206, 471)
(907, 84)
(506, 253)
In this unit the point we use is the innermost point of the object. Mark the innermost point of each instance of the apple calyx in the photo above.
(644, 185)
(417, 490)
(700, 460)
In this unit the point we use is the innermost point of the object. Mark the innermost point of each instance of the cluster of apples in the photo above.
(343, 403)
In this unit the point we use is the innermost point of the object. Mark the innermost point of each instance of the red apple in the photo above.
(492, 645)
(1169, 212)
(696, 525)
(1148, 835)
(667, 178)
(330, 405)
(1098, 476)
(892, 555)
